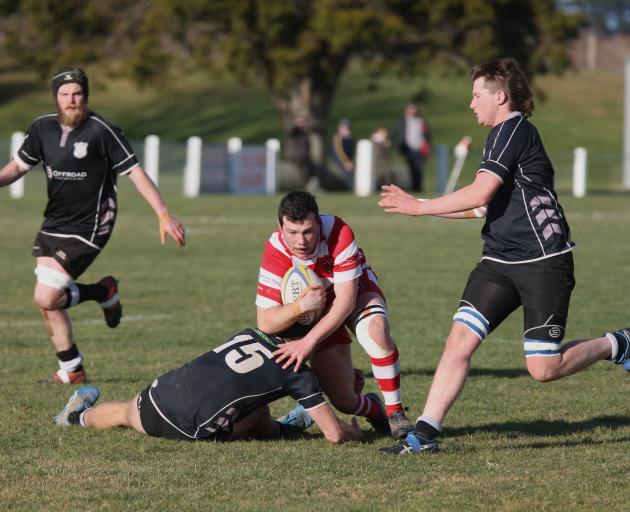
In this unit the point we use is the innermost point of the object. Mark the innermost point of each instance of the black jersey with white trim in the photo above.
(525, 221)
(81, 166)
(205, 397)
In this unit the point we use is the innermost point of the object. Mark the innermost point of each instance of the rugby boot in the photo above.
(297, 417)
(82, 399)
(399, 424)
(380, 424)
(74, 377)
(413, 443)
(622, 336)
(112, 308)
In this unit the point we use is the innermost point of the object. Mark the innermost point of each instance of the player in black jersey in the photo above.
(83, 155)
(221, 395)
(527, 257)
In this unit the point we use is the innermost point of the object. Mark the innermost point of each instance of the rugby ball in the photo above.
(295, 281)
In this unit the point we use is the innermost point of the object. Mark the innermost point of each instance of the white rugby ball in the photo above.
(295, 281)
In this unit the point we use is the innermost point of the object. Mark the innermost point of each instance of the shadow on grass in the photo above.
(500, 373)
(546, 428)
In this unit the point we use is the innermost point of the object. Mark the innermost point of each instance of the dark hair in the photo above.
(297, 205)
(70, 75)
(506, 74)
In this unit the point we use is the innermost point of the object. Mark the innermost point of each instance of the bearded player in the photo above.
(83, 155)
(350, 299)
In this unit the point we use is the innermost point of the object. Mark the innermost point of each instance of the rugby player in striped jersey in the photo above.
(82, 155)
(527, 253)
(351, 300)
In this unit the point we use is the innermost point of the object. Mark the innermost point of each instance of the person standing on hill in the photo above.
(527, 254)
(82, 154)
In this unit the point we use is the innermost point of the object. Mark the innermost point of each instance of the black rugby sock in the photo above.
(426, 431)
(96, 292)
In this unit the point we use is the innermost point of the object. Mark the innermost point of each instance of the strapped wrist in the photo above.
(296, 309)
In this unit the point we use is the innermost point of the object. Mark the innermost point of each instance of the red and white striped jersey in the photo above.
(336, 259)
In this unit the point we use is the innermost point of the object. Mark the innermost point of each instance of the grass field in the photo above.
(510, 444)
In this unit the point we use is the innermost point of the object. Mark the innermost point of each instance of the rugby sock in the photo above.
(367, 408)
(386, 371)
(621, 348)
(80, 418)
(70, 360)
(77, 293)
(428, 428)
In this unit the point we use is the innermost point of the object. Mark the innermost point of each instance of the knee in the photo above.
(346, 404)
(47, 299)
(460, 344)
(541, 371)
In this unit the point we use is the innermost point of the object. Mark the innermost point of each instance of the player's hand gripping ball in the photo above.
(295, 282)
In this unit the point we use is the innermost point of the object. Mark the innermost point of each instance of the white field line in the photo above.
(91, 321)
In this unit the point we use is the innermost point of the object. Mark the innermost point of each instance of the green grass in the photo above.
(510, 444)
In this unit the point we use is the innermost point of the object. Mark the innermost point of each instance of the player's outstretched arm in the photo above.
(334, 429)
(476, 195)
(10, 173)
(168, 224)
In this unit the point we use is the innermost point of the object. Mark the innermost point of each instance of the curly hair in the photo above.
(506, 74)
(296, 206)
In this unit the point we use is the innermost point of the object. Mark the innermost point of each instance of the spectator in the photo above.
(381, 144)
(343, 151)
(412, 135)
(299, 152)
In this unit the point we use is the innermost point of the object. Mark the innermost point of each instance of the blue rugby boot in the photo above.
(82, 399)
(413, 443)
(297, 417)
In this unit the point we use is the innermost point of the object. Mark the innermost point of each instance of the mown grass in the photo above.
(510, 444)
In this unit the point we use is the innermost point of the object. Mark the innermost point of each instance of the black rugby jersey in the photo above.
(81, 168)
(524, 222)
(205, 397)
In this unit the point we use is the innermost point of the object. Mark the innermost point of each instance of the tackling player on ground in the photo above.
(82, 155)
(350, 298)
(527, 259)
(221, 396)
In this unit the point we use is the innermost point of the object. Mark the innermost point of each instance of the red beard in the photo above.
(72, 117)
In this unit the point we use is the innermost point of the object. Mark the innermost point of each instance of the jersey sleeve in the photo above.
(345, 253)
(304, 388)
(504, 150)
(272, 269)
(118, 149)
(29, 153)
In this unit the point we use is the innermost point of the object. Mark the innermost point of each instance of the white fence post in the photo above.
(273, 150)
(579, 172)
(192, 171)
(16, 189)
(234, 146)
(152, 157)
(364, 170)
(626, 127)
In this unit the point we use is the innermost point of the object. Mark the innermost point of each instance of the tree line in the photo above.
(298, 49)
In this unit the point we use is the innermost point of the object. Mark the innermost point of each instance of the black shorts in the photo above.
(71, 253)
(543, 288)
(156, 426)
